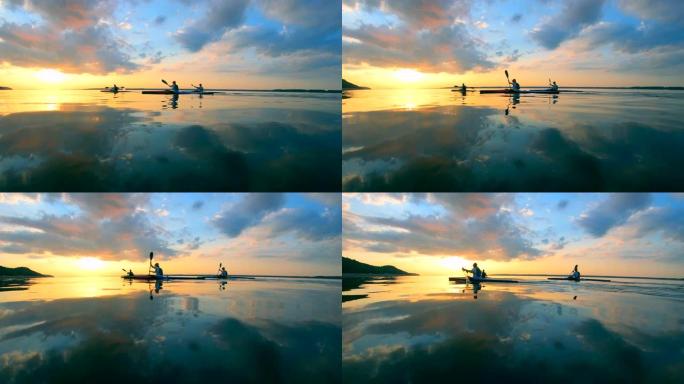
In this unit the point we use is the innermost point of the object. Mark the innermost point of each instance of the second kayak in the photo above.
(485, 280)
(526, 91)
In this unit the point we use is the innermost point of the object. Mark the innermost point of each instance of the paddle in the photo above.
(509, 81)
(149, 270)
(164, 81)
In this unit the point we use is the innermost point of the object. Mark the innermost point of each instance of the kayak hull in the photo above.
(522, 92)
(485, 280)
(578, 280)
(165, 278)
(228, 278)
(173, 93)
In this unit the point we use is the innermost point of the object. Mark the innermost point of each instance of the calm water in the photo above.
(238, 141)
(437, 140)
(425, 329)
(85, 330)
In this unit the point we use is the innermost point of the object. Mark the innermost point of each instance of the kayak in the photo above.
(542, 91)
(578, 280)
(110, 91)
(153, 277)
(485, 280)
(227, 278)
(167, 92)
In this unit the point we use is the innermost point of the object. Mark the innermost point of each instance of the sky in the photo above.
(86, 234)
(254, 44)
(437, 43)
(438, 234)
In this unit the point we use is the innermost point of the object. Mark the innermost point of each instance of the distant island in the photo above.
(351, 266)
(660, 88)
(5, 89)
(20, 272)
(348, 85)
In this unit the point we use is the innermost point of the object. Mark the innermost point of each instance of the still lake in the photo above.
(106, 330)
(86, 140)
(611, 140)
(426, 329)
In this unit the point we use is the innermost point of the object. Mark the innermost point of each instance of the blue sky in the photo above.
(238, 43)
(579, 42)
(621, 234)
(268, 233)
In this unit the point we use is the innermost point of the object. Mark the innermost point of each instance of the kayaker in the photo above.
(115, 88)
(224, 273)
(130, 273)
(463, 87)
(515, 86)
(174, 87)
(574, 275)
(477, 273)
(554, 86)
(484, 274)
(158, 271)
(199, 88)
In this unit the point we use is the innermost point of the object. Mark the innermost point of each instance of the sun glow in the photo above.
(408, 75)
(454, 263)
(90, 263)
(51, 76)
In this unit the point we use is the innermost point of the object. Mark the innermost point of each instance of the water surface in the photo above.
(425, 329)
(64, 141)
(437, 140)
(78, 330)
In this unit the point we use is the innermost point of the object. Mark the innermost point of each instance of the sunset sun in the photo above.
(408, 75)
(51, 76)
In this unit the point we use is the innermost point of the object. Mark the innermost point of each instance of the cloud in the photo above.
(91, 49)
(307, 13)
(268, 211)
(428, 37)
(107, 205)
(301, 37)
(667, 10)
(109, 226)
(612, 212)
(664, 220)
(220, 17)
(308, 224)
(568, 23)
(76, 14)
(74, 38)
(248, 212)
(419, 14)
(448, 49)
(483, 232)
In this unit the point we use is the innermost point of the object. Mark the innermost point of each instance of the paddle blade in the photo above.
(506, 72)
(164, 81)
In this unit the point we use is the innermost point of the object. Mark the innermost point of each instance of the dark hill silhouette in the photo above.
(348, 85)
(350, 266)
